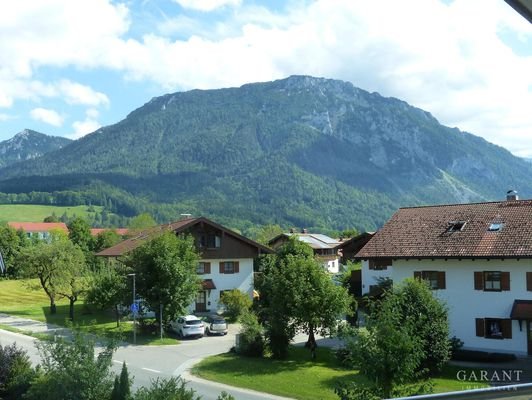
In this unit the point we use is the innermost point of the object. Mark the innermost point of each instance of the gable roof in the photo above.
(427, 232)
(38, 226)
(314, 240)
(177, 227)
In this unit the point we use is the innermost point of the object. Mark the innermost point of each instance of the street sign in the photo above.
(134, 308)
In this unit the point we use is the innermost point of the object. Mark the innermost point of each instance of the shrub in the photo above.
(235, 303)
(15, 372)
(251, 339)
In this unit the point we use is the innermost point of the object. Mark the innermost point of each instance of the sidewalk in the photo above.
(29, 326)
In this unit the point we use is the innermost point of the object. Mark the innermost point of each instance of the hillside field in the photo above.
(36, 213)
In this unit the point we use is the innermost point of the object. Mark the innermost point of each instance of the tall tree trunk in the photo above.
(53, 307)
(117, 316)
(71, 308)
(311, 342)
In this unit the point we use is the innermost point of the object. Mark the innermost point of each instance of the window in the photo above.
(456, 226)
(492, 281)
(436, 279)
(379, 264)
(229, 267)
(529, 281)
(495, 227)
(494, 328)
(210, 241)
(203, 268)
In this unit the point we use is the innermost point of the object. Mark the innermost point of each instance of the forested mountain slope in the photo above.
(301, 151)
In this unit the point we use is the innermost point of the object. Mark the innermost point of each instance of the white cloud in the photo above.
(207, 5)
(76, 93)
(88, 125)
(47, 116)
(450, 61)
(6, 117)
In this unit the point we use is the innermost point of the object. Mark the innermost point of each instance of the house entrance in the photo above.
(201, 301)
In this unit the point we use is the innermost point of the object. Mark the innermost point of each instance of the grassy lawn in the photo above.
(25, 298)
(36, 213)
(297, 377)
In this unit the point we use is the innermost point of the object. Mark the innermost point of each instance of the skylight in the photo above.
(495, 227)
(456, 226)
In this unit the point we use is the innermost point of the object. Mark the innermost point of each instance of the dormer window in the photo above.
(495, 227)
(456, 226)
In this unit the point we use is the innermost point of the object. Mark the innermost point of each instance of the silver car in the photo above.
(188, 325)
(215, 325)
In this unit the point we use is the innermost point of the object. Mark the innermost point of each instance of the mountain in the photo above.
(27, 145)
(301, 151)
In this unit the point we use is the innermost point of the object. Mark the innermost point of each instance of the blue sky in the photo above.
(68, 67)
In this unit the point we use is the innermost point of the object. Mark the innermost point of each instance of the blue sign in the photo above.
(134, 308)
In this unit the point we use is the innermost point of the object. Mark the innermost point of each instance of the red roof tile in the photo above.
(422, 232)
(38, 226)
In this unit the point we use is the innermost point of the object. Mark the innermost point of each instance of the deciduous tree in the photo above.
(165, 269)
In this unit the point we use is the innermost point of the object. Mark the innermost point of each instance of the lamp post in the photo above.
(134, 311)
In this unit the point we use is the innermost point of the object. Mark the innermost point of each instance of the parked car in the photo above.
(215, 325)
(188, 325)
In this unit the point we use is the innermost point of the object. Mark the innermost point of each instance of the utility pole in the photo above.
(134, 309)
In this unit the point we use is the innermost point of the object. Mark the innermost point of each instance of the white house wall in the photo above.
(243, 281)
(370, 277)
(465, 303)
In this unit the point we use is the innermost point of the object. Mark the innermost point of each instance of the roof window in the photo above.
(495, 227)
(456, 226)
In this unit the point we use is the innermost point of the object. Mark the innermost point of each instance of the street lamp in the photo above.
(134, 311)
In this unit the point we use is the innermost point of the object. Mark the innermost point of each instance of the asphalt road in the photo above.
(146, 363)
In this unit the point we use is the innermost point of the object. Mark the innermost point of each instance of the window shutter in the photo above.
(505, 281)
(221, 267)
(237, 267)
(529, 281)
(417, 275)
(207, 267)
(506, 328)
(479, 322)
(479, 281)
(441, 279)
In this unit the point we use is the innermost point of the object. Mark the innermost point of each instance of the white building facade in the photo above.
(479, 294)
(476, 257)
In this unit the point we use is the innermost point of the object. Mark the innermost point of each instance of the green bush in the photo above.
(251, 339)
(235, 303)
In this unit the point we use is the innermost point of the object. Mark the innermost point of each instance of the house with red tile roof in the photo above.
(226, 257)
(40, 230)
(476, 257)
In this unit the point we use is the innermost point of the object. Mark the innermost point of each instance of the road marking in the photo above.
(152, 370)
(118, 362)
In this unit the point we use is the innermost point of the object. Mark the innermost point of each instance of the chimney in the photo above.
(511, 195)
(304, 230)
